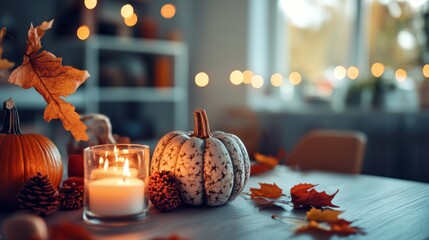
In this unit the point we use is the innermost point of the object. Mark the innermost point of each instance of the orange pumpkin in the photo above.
(22, 156)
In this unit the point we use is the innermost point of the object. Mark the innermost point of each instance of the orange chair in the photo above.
(329, 150)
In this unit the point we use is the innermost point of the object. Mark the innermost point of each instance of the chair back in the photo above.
(329, 150)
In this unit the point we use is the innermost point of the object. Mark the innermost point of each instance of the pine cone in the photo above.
(164, 191)
(38, 196)
(70, 197)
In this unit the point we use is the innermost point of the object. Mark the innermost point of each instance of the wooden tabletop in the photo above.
(384, 208)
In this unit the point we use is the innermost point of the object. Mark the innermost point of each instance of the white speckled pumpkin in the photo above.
(212, 168)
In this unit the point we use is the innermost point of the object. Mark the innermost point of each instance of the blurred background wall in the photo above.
(276, 69)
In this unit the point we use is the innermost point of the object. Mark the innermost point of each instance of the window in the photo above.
(324, 50)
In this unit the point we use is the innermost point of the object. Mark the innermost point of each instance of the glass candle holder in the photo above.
(116, 184)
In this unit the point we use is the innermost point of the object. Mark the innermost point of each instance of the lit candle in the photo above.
(116, 196)
(107, 171)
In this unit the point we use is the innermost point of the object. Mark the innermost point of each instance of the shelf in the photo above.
(128, 44)
(140, 94)
(156, 109)
(30, 98)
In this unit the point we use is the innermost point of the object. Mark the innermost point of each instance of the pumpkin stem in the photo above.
(10, 118)
(201, 124)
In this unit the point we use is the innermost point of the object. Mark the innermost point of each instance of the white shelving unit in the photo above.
(92, 94)
(177, 94)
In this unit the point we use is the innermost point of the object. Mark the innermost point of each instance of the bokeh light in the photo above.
(352, 72)
(83, 32)
(377, 69)
(247, 77)
(401, 75)
(426, 70)
(90, 4)
(131, 21)
(257, 81)
(201, 79)
(168, 11)
(277, 80)
(127, 11)
(236, 77)
(295, 78)
(340, 72)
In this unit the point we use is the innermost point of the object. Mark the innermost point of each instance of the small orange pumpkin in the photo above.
(22, 156)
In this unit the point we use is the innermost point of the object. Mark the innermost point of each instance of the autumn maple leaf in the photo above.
(304, 195)
(325, 215)
(4, 63)
(266, 190)
(328, 221)
(264, 163)
(266, 160)
(257, 169)
(43, 71)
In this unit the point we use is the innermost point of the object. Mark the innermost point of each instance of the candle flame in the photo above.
(106, 165)
(115, 151)
(100, 160)
(127, 172)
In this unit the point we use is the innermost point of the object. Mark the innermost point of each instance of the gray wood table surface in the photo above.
(384, 208)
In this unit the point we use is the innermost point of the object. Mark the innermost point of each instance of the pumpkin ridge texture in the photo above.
(23, 156)
(211, 168)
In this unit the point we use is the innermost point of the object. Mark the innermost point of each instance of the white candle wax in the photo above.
(112, 172)
(116, 196)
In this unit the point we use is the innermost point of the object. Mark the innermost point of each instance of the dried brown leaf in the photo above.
(44, 71)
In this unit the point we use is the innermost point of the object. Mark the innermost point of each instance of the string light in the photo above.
(256, 81)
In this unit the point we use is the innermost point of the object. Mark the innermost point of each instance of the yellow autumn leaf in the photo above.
(326, 215)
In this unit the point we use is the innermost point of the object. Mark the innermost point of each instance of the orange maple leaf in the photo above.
(4, 63)
(44, 72)
(266, 190)
(328, 221)
(264, 163)
(256, 169)
(266, 160)
(304, 195)
(326, 215)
